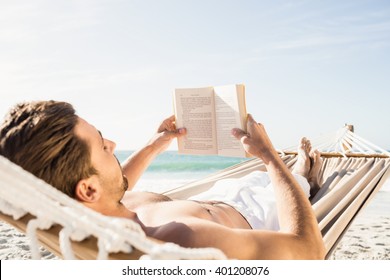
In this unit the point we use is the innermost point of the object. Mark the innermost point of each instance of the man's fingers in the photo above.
(167, 124)
(171, 118)
(250, 118)
(176, 133)
(238, 133)
(181, 131)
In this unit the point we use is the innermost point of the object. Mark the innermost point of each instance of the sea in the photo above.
(171, 169)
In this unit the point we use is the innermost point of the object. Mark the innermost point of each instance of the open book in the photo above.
(209, 114)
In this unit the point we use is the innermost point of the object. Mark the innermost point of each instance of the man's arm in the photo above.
(236, 243)
(299, 236)
(135, 165)
(299, 232)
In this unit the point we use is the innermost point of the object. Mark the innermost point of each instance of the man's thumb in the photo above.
(238, 133)
(177, 133)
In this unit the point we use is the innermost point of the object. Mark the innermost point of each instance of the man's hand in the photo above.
(256, 140)
(138, 162)
(166, 132)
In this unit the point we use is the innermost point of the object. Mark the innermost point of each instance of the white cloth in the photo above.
(252, 196)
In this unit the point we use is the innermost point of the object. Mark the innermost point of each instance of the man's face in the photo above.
(110, 175)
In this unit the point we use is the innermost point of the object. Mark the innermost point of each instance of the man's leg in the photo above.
(303, 164)
(308, 165)
(315, 172)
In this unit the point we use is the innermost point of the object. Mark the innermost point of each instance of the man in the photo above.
(49, 140)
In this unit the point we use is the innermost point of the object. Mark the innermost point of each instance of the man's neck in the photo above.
(117, 210)
(123, 212)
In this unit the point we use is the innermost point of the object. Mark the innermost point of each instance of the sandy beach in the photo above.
(368, 238)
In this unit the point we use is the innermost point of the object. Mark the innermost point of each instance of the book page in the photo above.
(194, 110)
(229, 104)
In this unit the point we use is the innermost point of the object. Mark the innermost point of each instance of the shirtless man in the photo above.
(50, 141)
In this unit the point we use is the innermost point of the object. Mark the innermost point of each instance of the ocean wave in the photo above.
(171, 161)
(188, 166)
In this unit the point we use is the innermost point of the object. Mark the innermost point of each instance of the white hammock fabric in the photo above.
(348, 185)
(22, 193)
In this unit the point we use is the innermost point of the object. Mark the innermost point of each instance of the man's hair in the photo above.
(40, 137)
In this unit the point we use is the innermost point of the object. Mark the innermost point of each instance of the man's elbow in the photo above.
(321, 252)
(308, 248)
(316, 251)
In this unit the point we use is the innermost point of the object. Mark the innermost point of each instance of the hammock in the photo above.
(352, 173)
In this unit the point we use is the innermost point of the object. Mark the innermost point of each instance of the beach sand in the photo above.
(368, 238)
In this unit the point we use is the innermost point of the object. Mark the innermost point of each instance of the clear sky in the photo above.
(309, 66)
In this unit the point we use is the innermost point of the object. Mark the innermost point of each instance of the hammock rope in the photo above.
(22, 193)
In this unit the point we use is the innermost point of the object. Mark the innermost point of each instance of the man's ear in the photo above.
(88, 190)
